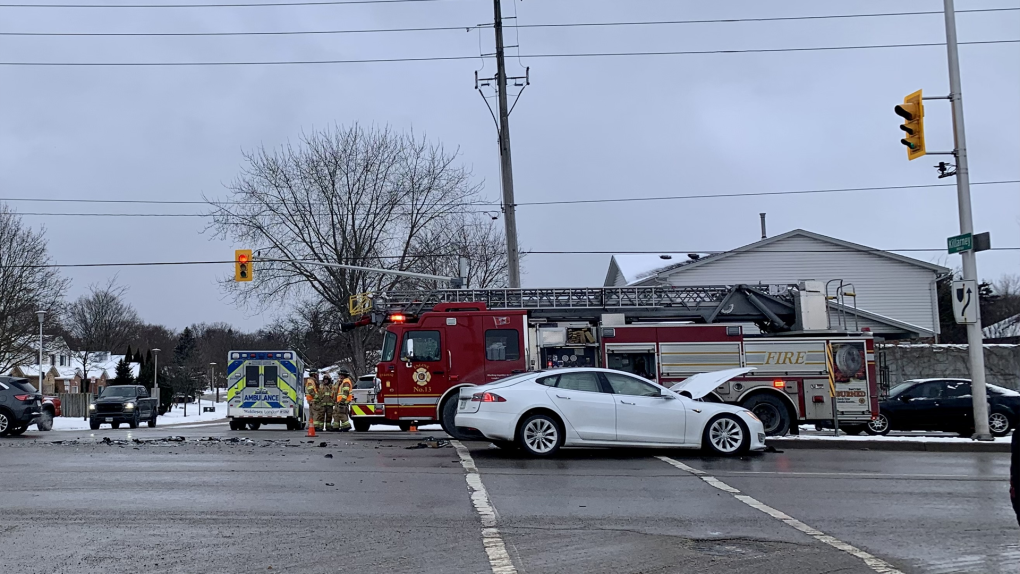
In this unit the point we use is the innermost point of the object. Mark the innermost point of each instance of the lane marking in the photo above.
(495, 548)
(877, 564)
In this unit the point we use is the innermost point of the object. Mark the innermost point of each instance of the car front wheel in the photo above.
(880, 425)
(540, 435)
(998, 423)
(725, 435)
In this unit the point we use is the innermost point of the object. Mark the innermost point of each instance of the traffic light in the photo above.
(242, 265)
(912, 110)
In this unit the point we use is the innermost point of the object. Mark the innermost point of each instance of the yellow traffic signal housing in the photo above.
(912, 110)
(242, 265)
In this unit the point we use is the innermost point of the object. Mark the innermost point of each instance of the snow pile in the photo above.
(173, 416)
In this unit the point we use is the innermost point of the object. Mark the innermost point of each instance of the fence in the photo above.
(75, 404)
(898, 363)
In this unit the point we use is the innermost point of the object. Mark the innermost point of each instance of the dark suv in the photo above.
(20, 405)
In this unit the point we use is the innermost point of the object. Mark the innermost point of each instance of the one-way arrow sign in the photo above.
(965, 301)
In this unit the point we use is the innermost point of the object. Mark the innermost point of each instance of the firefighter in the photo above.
(311, 395)
(327, 398)
(344, 398)
(322, 400)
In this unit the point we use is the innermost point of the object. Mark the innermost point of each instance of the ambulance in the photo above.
(265, 387)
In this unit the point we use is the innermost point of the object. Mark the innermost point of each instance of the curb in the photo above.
(912, 446)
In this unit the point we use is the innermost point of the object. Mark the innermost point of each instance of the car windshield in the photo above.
(898, 389)
(119, 392)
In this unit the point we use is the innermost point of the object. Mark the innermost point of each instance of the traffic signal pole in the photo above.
(975, 340)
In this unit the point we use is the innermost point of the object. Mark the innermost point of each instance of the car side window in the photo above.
(956, 389)
(928, 391)
(579, 382)
(624, 385)
(549, 381)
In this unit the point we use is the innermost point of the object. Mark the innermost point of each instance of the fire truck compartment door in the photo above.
(703, 383)
(680, 359)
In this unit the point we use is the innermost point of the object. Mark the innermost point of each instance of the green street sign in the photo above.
(960, 243)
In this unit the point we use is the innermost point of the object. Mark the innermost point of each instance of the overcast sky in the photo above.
(594, 127)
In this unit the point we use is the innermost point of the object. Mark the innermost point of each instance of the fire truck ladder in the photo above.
(770, 307)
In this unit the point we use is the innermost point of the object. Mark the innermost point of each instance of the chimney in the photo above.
(763, 235)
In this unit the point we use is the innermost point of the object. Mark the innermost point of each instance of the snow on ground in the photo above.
(174, 416)
(809, 433)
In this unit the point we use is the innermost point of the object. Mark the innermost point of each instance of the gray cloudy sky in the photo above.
(602, 127)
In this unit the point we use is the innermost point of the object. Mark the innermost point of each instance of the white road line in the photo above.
(878, 565)
(499, 559)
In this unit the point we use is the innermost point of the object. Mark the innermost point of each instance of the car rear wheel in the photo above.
(540, 435)
(998, 423)
(880, 425)
(152, 420)
(45, 421)
(19, 430)
(772, 412)
(5, 423)
(725, 435)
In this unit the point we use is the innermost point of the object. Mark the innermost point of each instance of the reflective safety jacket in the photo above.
(325, 395)
(310, 389)
(343, 394)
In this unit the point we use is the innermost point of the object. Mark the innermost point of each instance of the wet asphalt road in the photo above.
(279, 504)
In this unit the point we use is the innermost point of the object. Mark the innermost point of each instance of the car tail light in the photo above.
(23, 397)
(487, 398)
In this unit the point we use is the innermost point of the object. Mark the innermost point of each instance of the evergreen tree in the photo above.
(123, 374)
(138, 357)
(127, 355)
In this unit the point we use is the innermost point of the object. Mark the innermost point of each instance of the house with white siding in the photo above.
(895, 296)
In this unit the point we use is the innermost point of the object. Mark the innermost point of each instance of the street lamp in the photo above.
(155, 375)
(42, 316)
(212, 380)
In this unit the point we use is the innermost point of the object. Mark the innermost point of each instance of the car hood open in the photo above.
(703, 383)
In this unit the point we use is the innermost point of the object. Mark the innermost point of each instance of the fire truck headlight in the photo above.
(752, 415)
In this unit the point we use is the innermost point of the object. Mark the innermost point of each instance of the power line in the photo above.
(222, 5)
(476, 204)
(472, 27)
(753, 193)
(475, 57)
(412, 256)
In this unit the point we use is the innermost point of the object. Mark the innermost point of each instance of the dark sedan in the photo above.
(943, 405)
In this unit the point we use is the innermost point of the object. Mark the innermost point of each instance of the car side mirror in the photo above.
(906, 398)
(668, 397)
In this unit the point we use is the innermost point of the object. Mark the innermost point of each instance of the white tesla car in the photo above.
(543, 411)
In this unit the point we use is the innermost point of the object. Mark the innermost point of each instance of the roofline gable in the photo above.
(794, 233)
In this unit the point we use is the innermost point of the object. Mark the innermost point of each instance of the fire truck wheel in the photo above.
(404, 426)
(449, 414)
(773, 413)
(879, 426)
(361, 425)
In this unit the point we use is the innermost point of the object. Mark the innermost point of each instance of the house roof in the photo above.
(1008, 327)
(637, 266)
(637, 274)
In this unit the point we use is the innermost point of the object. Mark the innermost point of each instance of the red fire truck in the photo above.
(437, 342)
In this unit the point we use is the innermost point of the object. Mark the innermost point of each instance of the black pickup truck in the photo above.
(129, 404)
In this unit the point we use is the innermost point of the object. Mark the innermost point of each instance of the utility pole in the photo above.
(506, 166)
(975, 341)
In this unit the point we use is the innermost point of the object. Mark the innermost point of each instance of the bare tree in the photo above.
(27, 285)
(481, 241)
(100, 320)
(358, 196)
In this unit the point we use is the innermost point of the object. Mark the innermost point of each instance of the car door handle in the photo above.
(562, 397)
(626, 403)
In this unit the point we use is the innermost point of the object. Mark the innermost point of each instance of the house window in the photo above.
(63, 360)
(53, 359)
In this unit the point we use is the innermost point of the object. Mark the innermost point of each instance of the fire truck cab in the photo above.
(432, 349)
